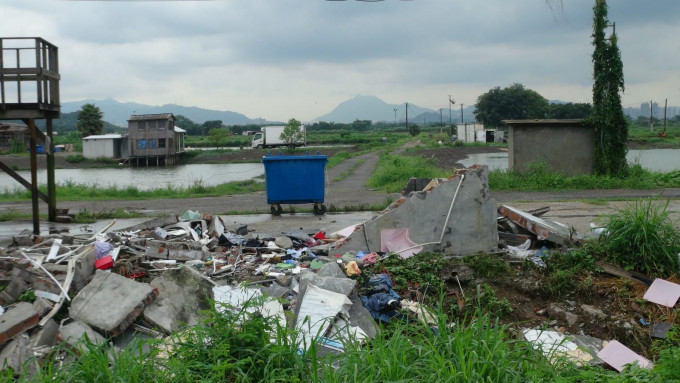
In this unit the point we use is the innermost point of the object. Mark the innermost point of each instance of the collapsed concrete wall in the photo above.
(471, 227)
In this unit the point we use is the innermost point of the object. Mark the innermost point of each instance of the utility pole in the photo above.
(461, 113)
(407, 117)
(451, 102)
(395, 117)
(441, 121)
(665, 106)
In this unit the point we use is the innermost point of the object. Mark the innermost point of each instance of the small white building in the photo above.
(105, 145)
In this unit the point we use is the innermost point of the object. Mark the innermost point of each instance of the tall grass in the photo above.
(71, 191)
(235, 346)
(393, 172)
(642, 237)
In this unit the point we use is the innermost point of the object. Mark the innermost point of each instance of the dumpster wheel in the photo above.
(276, 209)
(319, 209)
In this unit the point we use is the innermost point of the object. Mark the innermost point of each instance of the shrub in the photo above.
(641, 237)
(75, 158)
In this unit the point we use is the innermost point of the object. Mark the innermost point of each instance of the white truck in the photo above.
(270, 137)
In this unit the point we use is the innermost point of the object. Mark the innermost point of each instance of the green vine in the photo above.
(608, 121)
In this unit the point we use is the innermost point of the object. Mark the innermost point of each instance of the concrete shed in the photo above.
(566, 145)
(105, 145)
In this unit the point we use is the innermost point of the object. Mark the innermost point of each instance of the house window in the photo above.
(152, 143)
(141, 126)
(161, 142)
(161, 125)
(141, 144)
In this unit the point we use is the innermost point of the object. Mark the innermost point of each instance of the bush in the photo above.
(641, 237)
(76, 158)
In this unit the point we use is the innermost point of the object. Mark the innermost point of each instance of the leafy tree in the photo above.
(570, 110)
(608, 121)
(192, 128)
(512, 103)
(413, 130)
(90, 120)
(361, 125)
(292, 133)
(218, 136)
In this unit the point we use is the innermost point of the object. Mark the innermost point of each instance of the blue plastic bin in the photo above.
(295, 180)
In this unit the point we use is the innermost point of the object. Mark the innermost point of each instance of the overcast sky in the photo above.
(278, 59)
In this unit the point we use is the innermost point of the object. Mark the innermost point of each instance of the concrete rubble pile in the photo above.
(152, 279)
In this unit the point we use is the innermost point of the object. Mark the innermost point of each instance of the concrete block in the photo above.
(331, 269)
(471, 227)
(180, 251)
(182, 294)
(343, 285)
(45, 283)
(15, 354)
(75, 331)
(154, 223)
(84, 268)
(56, 269)
(42, 306)
(360, 317)
(275, 291)
(46, 335)
(19, 318)
(16, 287)
(110, 302)
(283, 242)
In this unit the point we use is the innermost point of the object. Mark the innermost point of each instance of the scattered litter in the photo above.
(659, 330)
(618, 356)
(663, 292)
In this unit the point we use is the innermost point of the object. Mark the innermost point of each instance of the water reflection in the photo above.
(147, 178)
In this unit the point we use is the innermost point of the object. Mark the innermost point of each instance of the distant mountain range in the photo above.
(118, 113)
(357, 108)
(374, 109)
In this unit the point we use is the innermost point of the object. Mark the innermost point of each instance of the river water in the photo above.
(659, 160)
(146, 178)
(656, 160)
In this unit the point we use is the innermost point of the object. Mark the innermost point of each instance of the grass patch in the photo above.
(393, 172)
(71, 191)
(538, 178)
(641, 237)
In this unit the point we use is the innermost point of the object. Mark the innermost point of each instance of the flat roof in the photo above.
(538, 121)
(103, 137)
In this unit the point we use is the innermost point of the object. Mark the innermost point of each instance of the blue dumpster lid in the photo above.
(293, 158)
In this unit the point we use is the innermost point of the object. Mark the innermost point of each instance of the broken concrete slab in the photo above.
(275, 291)
(331, 269)
(83, 269)
(110, 302)
(41, 306)
(16, 287)
(15, 354)
(359, 316)
(182, 293)
(46, 335)
(179, 251)
(17, 319)
(594, 312)
(153, 223)
(343, 285)
(543, 228)
(469, 228)
(75, 331)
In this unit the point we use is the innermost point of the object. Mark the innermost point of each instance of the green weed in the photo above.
(393, 172)
(641, 237)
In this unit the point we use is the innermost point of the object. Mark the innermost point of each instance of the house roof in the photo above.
(145, 117)
(110, 136)
(177, 129)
